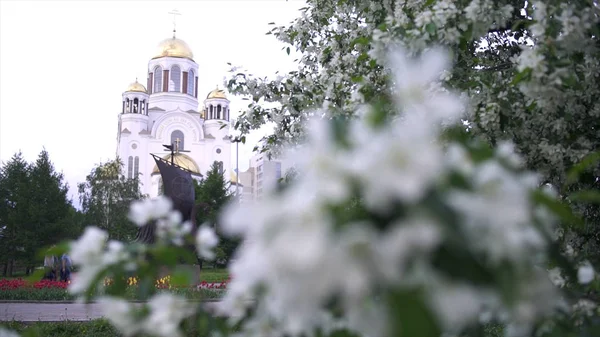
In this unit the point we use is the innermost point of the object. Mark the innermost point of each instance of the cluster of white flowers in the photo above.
(7, 333)
(302, 255)
(93, 255)
(169, 227)
(166, 312)
(586, 273)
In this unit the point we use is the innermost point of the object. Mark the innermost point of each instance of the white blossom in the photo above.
(291, 237)
(8, 333)
(87, 252)
(585, 273)
(120, 313)
(556, 277)
(206, 241)
(141, 212)
(167, 311)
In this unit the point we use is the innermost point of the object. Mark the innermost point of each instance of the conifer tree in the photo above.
(14, 204)
(212, 194)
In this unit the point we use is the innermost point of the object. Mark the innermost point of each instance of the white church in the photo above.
(168, 111)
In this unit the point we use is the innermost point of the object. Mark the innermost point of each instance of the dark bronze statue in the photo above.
(178, 186)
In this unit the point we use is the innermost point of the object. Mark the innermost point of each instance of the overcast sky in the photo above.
(65, 64)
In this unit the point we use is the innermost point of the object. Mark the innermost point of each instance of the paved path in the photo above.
(52, 312)
(49, 312)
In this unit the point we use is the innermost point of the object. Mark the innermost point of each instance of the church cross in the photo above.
(177, 141)
(174, 13)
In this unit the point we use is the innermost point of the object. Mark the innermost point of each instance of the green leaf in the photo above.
(431, 28)
(37, 275)
(522, 76)
(587, 162)
(560, 209)
(356, 79)
(589, 196)
(362, 40)
(287, 50)
(411, 315)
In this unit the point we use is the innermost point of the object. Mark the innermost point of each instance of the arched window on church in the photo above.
(220, 166)
(190, 86)
(161, 188)
(219, 111)
(136, 167)
(127, 103)
(177, 138)
(136, 105)
(175, 82)
(210, 114)
(130, 167)
(158, 79)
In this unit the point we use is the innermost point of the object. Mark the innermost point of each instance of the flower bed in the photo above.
(45, 290)
(11, 284)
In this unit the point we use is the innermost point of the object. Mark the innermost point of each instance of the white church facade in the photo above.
(168, 111)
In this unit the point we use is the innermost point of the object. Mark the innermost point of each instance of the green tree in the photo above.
(105, 198)
(49, 209)
(15, 200)
(212, 193)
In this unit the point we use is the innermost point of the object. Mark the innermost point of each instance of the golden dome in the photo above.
(137, 87)
(173, 47)
(182, 160)
(217, 93)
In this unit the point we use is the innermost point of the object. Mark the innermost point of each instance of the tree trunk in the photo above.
(199, 270)
(10, 267)
(5, 269)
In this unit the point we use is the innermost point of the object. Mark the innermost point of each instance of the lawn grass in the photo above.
(93, 328)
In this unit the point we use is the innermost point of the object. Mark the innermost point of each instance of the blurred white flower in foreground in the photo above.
(166, 312)
(169, 226)
(206, 241)
(92, 253)
(585, 273)
(87, 252)
(120, 313)
(292, 237)
(141, 212)
(7, 333)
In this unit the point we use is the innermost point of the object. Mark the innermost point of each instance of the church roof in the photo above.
(216, 93)
(136, 87)
(182, 160)
(173, 47)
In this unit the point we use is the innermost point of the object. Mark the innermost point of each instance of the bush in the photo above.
(94, 328)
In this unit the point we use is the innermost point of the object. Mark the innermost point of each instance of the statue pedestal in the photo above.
(194, 270)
